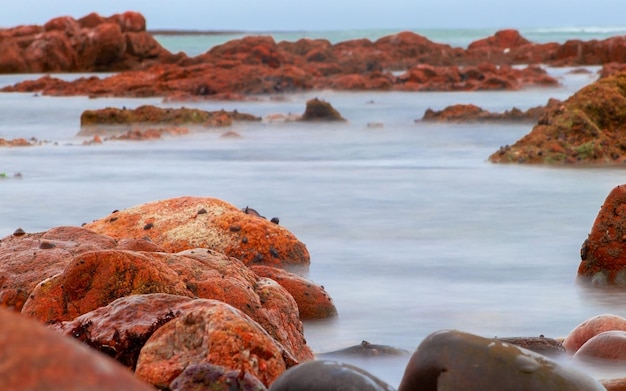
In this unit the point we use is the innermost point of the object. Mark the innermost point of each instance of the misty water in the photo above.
(410, 228)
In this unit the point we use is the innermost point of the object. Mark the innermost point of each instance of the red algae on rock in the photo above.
(183, 223)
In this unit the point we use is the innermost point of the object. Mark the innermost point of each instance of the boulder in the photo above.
(313, 301)
(219, 335)
(590, 328)
(95, 279)
(603, 253)
(585, 129)
(502, 39)
(454, 360)
(37, 358)
(608, 345)
(614, 384)
(319, 110)
(26, 259)
(326, 375)
(183, 223)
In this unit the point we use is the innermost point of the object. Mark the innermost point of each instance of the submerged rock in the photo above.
(473, 113)
(325, 375)
(202, 377)
(454, 360)
(603, 253)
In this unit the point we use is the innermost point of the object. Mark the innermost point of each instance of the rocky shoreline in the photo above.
(194, 292)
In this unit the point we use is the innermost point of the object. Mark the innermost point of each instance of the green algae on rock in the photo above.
(149, 114)
(587, 128)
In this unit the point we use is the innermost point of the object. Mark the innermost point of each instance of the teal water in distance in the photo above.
(410, 228)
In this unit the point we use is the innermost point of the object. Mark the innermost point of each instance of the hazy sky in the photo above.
(276, 15)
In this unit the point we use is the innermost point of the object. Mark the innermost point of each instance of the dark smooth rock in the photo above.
(452, 360)
(323, 375)
(201, 377)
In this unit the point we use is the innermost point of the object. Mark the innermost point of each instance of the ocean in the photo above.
(410, 229)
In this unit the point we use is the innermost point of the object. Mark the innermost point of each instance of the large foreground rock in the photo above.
(458, 361)
(585, 129)
(184, 223)
(36, 358)
(603, 253)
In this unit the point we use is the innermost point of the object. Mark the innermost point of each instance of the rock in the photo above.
(590, 328)
(547, 346)
(608, 345)
(603, 252)
(319, 110)
(503, 39)
(585, 129)
(448, 360)
(92, 43)
(473, 113)
(313, 301)
(95, 279)
(28, 259)
(36, 358)
(219, 335)
(326, 375)
(614, 384)
(201, 377)
(366, 349)
(183, 223)
(149, 114)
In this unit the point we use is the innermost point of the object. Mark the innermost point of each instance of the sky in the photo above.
(299, 15)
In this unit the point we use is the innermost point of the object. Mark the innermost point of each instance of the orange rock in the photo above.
(28, 259)
(217, 334)
(502, 39)
(313, 301)
(184, 223)
(590, 328)
(608, 345)
(36, 358)
(614, 384)
(96, 278)
(603, 253)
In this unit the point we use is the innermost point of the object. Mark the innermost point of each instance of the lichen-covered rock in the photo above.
(590, 328)
(326, 375)
(219, 335)
(202, 377)
(456, 361)
(36, 358)
(319, 110)
(183, 223)
(313, 301)
(603, 253)
(473, 113)
(26, 259)
(585, 129)
(95, 279)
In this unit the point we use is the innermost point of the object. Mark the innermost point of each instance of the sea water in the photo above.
(410, 228)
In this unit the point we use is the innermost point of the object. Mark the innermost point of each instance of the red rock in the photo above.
(91, 21)
(28, 259)
(614, 384)
(313, 301)
(501, 39)
(52, 51)
(95, 279)
(11, 60)
(473, 113)
(219, 335)
(188, 222)
(104, 48)
(594, 52)
(65, 24)
(36, 358)
(406, 49)
(129, 21)
(603, 253)
(590, 328)
(608, 345)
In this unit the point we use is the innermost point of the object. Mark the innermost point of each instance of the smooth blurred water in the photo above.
(410, 229)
